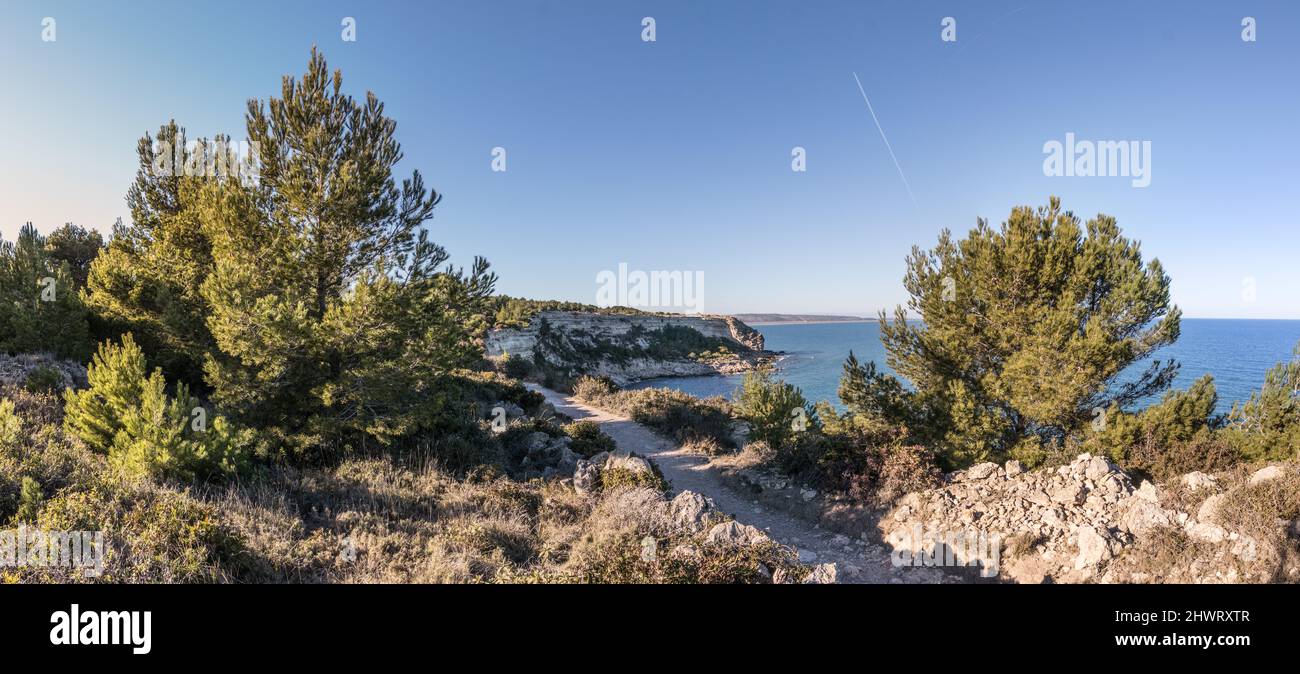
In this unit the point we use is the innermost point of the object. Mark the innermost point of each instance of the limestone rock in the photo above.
(1267, 474)
(689, 509)
(627, 461)
(981, 471)
(585, 477)
(1094, 548)
(734, 533)
(1070, 494)
(1096, 468)
(1196, 481)
(1209, 510)
(822, 574)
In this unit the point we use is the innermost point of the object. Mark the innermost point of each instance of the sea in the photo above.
(1236, 351)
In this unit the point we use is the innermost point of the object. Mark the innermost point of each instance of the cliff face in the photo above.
(614, 326)
(628, 348)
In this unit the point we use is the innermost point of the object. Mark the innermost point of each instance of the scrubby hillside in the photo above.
(379, 518)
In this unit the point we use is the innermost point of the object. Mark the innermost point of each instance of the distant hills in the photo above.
(753, 319)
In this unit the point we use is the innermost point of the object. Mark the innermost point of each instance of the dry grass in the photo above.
(372, 520)
(1264, 513)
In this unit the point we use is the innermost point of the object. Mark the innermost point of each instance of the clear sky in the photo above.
(676, 154)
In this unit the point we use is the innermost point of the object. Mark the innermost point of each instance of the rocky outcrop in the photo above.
(1083, 522)
(586, 472)
(623, 347)
(606, 326)
(548, 457)
(14, 370)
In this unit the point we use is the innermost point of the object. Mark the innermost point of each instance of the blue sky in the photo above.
(675, 155)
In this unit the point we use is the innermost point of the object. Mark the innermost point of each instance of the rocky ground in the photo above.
(14, 370)
(1088, 522)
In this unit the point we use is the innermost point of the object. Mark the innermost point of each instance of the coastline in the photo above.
(865, 320)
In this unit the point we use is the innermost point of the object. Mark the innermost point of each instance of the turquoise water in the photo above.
(1236, 352)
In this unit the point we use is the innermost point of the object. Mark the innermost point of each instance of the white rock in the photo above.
(1094, 548)
(1014, 468)
(1266, 474)
(585, 476)
(1147, 492)
(1097, 468)
(1206, 532)
(981, 471)
(734, 533)
(690, 509)
(1196, 481)
(1070, 494)
(634, 464)
(1209, 511)
(822, 574)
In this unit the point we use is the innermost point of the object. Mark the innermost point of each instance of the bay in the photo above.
(1236, 351)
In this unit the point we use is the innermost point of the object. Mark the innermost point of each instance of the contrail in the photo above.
(887, 145)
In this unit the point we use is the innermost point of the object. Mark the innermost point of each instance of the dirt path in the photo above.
(857, 561)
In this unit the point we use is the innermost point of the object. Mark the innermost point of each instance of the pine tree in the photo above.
(1267, 427)
(116, 376)
(330, 309)
(129, 416)
(149, 279)
(775, 410)
(1022, 331)
(40, 308)
(77, 246)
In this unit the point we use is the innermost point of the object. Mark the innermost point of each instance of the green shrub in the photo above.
(678, 415)
(1175, 436)
(33, 446)
(1034, 452)
(860, 455)
(1267, 427)
(707, 446)
(775, 410)
(588, 439)
(11, 426)
(130, 417)
(683, 559)
(515, 367)
(30, 500)
(1207, 451)
(40, 306)
(625, 478)
(593, 389)
(905, 469)
(44, 379)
